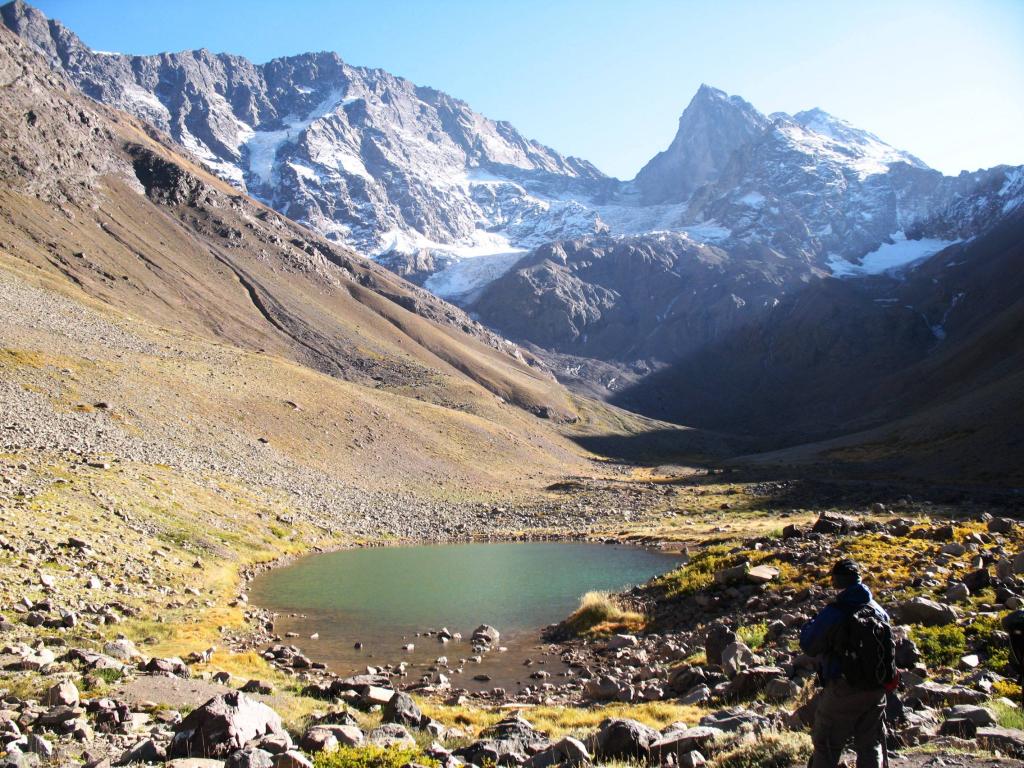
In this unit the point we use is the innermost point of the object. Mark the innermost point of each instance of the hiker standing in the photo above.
(852, 639)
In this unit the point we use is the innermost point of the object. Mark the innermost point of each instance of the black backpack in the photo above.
(865, 648)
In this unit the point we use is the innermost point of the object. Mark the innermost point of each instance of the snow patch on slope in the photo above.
(222, 168)
(463, 279)
(482, 243)
(753, 199)
(889, 256)
(262, 146)
(1013, 190)
(823, 136)
(148, 104)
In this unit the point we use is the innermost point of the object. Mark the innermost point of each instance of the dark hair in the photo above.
(846, 573)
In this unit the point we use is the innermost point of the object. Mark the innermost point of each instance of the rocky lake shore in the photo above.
(142, 646)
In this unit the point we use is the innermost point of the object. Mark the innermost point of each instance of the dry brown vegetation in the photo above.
(601, 613)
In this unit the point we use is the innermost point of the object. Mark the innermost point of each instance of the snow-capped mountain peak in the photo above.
(415, 178)
(357, 153)
(871, 153)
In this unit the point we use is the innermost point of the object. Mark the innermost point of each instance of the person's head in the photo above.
(845, 573)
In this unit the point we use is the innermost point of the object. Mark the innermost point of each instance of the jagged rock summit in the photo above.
(711, 128)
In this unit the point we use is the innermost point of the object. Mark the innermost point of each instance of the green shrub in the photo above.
(100, 678)
(372, 757)
(699, 573)
(771, 750)
(753, 635)
(1006, 715)
(999, 660)
(108, 676)
(982, 636)
(940, 646)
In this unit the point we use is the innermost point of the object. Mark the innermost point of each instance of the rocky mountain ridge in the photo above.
(445, 196)
(697, 292)
(741, 340)
(362, 156)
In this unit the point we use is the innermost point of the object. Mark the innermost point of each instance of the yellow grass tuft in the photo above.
(557, 722)
(601, 613)
(772, 750)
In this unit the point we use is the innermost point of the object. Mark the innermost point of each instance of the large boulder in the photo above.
(318, 739)
(736, 719)
(736, 657)
(679, 743)
(685, 678)
(699, 694)
(920, 610)
(958, 592)
(568, 752)
(604, 688)
(939, 695)
(485, 634)
(250, 758)
(391, 735)
(754, 680)
(719, 636)
(977, 579)
(732, 575)
(372, 696)
(62, 694)
(345, 735)
(980, 716)
(223, 725)
(37, 660)
(510, 741)
(1000, 525)
(623, 739)
(1009, 741)
(617, 642)
(146, 751)
(122, 648)
(762, 574)
(907, 652)
(172, 667)
(779, 688)
(402, 709)
(1018, 562)
(291, 759)
(833, 522)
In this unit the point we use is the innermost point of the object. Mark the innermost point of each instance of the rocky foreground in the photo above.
(715, 678)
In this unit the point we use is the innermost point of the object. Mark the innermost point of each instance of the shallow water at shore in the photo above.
(383, 597)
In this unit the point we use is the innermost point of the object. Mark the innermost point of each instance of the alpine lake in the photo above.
(366, 606)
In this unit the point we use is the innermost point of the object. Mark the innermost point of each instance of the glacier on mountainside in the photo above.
(889, 257)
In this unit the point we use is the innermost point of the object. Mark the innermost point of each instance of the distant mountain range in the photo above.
(785, 276)
(417, 179)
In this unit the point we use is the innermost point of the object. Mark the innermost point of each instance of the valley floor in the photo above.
(111, 571)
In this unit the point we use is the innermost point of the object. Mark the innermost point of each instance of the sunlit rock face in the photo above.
(397, 170)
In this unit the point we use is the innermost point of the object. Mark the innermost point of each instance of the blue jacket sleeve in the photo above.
(814, 633)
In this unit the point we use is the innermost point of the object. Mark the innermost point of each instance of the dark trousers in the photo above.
(843, 714)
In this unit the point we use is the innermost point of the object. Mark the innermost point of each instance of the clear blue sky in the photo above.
(607, 80)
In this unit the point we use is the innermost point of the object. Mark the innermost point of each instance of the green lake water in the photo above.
(383, 597)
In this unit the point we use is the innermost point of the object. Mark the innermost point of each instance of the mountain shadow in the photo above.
(919, 373)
